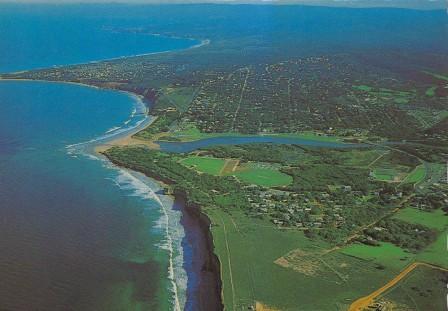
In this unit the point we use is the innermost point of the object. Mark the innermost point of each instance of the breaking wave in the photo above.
(140, 186)
(137, 185)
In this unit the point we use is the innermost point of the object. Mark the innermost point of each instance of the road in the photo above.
(364, 302)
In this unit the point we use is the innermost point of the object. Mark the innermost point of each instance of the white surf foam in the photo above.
(113, 129)
(115, 132)
(137, 185)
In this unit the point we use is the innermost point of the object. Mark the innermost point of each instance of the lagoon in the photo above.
(188, 146)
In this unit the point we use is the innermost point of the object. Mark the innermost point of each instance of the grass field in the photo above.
(361, 158)
(417, 175)
(389, 172)
(436, 253)
(251, 173)
(249, 252)
(435, 220)
(266, 177)
(390, 255)
(386, 254)
(385, 174)
(207, 165)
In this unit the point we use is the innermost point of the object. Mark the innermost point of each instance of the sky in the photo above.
(421, 4)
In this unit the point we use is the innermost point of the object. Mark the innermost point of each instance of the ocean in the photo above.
(77, 233)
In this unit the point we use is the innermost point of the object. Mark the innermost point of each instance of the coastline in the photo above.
(201, 43)
(125, 139)
(205, 262)
(207, 295)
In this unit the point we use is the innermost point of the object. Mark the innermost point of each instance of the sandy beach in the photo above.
(128, 140)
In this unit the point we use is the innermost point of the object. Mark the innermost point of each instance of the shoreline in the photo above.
(126, 138)
(208, 294)
(202, 42)
(205, 261)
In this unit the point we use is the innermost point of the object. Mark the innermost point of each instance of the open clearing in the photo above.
(229, 167)
(251, 173)
(385, 254)
(178, 97)
(258, 258)
(266, 177)
(417, 175)
(387, 168)
(387, 174)
(434, 219)
(436, 253)
(207, 165)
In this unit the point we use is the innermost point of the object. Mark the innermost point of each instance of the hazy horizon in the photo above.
(418, 4)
